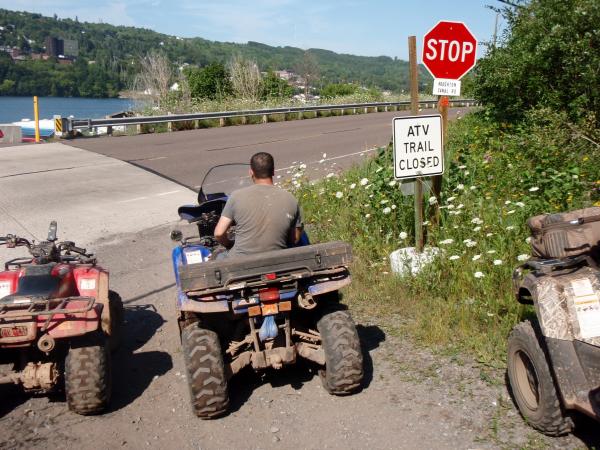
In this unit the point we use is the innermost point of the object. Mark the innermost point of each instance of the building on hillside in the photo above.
(67, 48)
(284, 74)
(54, 46)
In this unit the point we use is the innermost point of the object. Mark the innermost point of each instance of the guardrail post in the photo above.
(366, 110)
(244, 120)
(109, 128)
(222, 121)
(353, 110)
(341, 112)
(196, 124)
(169, 124)
(138, 128)
(265, 118)
(300, 115)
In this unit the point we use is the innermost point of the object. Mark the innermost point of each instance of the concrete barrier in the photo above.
(10, 134)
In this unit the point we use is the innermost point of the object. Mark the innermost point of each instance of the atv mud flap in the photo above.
(577, 369)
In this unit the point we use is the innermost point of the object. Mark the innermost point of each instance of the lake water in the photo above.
(13, 109)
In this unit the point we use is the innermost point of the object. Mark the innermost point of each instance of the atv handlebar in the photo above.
(12, 241)
(49, 249)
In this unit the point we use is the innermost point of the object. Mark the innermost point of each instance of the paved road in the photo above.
(91, 196)
(185, 156)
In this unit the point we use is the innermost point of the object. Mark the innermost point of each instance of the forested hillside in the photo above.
(116, 52)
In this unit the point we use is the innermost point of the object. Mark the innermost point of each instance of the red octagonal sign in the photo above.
(449, 50)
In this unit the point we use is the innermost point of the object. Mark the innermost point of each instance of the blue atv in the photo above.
(263, 310)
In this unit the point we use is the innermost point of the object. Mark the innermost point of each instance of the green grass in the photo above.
(497, 176)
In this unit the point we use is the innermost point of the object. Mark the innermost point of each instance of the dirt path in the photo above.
(411, 399)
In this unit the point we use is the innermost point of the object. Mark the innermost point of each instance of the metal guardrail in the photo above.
(69, 125)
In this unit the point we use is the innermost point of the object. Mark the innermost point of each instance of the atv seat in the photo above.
(37, 281)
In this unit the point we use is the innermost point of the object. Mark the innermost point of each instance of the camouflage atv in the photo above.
(554, 361)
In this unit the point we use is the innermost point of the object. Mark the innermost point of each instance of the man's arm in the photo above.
(221, 231)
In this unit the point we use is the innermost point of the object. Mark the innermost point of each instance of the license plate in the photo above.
(11, 332)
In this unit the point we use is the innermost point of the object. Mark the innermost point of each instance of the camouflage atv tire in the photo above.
(343, 373)
(205, 372)
(532, 383)
(88, 375)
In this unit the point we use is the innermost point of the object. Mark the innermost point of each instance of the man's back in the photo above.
(264, 216)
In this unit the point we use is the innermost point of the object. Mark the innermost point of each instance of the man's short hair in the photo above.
(262, 165)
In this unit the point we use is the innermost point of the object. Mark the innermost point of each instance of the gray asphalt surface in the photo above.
(185, 156)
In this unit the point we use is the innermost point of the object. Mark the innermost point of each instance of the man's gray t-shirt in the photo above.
(263, 216)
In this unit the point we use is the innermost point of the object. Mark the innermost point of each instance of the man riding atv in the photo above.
(265, 216)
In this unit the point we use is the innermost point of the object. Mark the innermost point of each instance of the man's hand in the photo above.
(221, 232)
(295, 235)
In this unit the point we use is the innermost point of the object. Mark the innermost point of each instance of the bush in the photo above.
(211, 82)
(549, 57)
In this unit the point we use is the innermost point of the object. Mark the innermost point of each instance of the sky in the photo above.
(369, 28)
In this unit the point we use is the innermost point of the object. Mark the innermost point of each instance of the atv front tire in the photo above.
(205, 371)
(343, 373)
(88, 375)
(115, 305)
(532, 383)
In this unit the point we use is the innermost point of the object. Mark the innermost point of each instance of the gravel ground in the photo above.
(412, 398)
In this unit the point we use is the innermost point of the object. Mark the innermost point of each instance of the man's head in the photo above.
(262, 166)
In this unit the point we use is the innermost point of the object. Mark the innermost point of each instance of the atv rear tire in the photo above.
(88, 375)
(343, 373)
(205, 371)
(532, 383)
(115, 304)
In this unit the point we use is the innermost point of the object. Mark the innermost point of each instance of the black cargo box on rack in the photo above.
(309, 259)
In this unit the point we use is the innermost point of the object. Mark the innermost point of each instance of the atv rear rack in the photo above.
(293, 263)
(14, 308)
(234, 284)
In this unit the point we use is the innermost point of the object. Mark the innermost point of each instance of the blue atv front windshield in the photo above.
(222, 180)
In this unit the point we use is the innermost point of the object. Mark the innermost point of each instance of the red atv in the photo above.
(58, 321)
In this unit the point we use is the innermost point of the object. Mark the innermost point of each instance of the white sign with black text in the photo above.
(445, 86)
(418, 147)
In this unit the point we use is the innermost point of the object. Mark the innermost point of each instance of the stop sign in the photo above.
(449, 50)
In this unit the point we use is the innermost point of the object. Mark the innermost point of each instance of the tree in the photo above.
(154, 78)
(246, 81)
(212, 82)
(549, 56)
(338, 90)
(308, 69)
(275, 87)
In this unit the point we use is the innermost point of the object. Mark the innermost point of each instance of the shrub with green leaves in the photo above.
(497, 176)
(549, 56)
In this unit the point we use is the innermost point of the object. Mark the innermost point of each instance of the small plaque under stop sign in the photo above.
(418, 146)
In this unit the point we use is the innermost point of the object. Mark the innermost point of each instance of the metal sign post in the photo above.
(437, 180)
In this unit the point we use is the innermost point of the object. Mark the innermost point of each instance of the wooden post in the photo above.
(138, 128)
(244, 120)
(265, 118)
(36, 118)
(169, 124)
(221, 121)
(414, 106)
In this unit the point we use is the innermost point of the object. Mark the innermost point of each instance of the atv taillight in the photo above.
(269, 276)
(268, 294)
